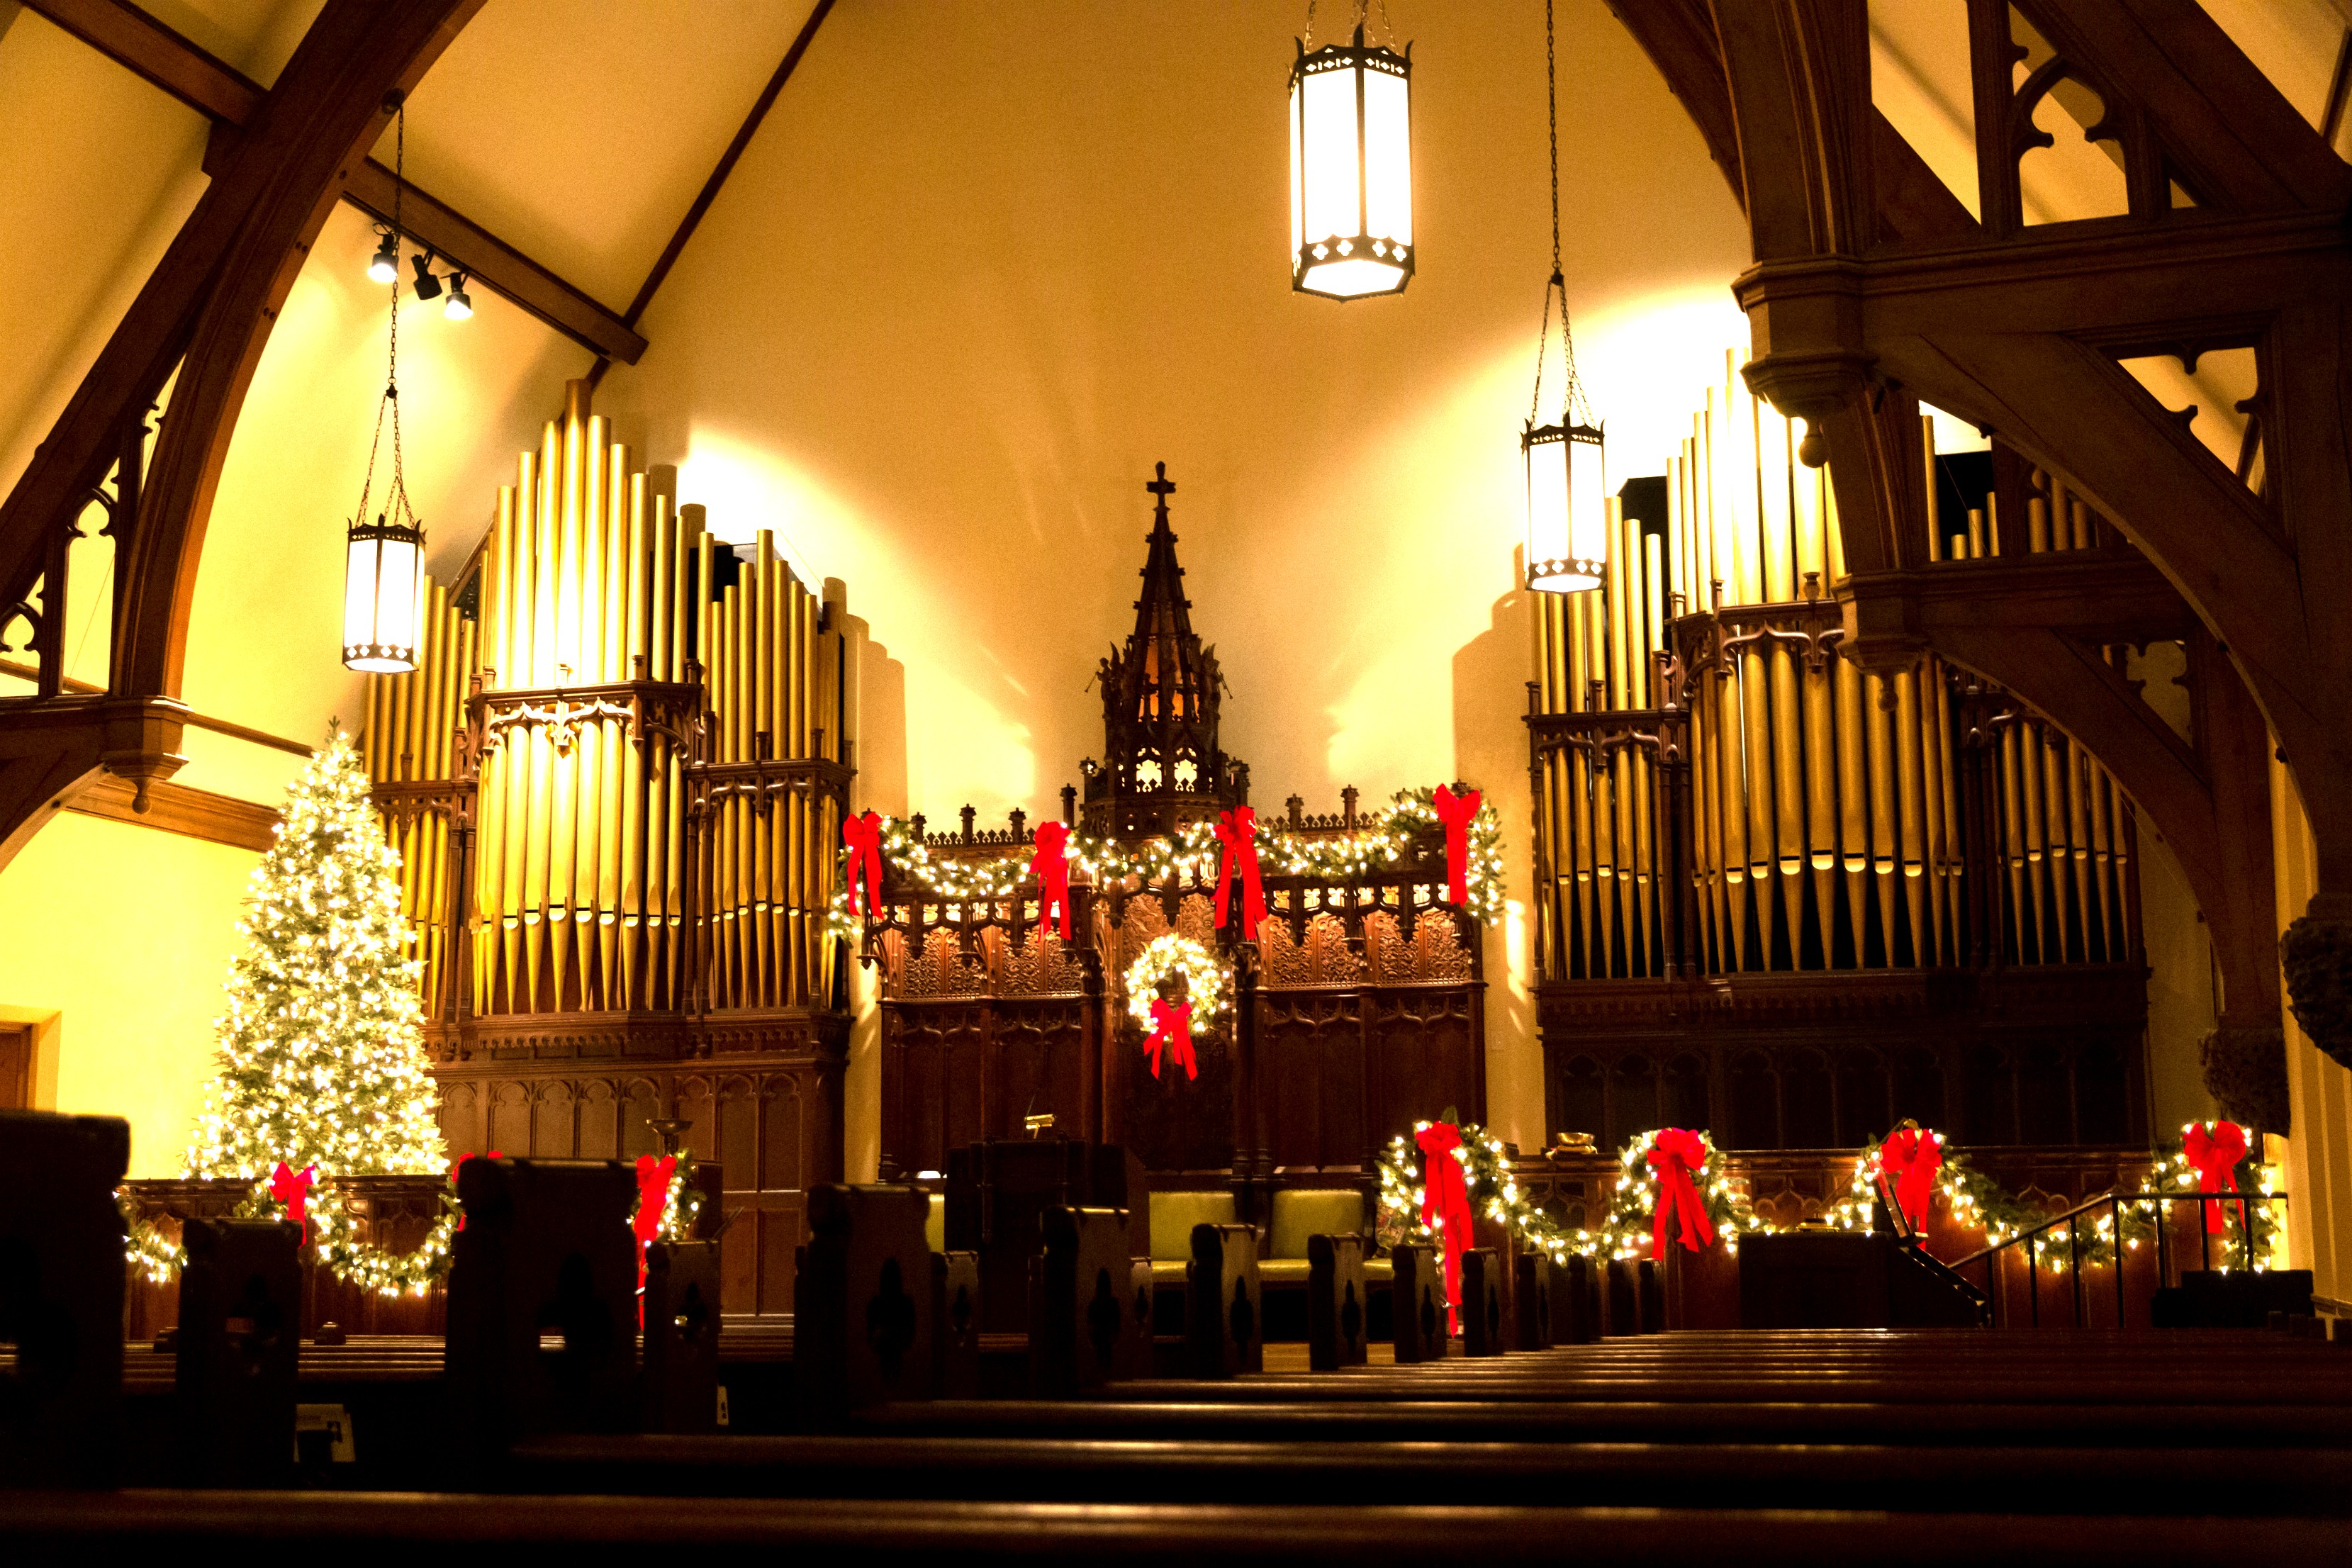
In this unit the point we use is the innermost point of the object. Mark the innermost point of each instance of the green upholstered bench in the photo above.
(934, 1225)
(1303, 1212)
(1173, 1216)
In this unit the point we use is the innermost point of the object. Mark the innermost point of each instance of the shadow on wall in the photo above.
(1490, 675)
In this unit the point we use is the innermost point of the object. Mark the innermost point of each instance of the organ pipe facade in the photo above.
(616, 781)
(1719, 793)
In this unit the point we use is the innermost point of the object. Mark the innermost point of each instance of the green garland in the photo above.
(1194, 853)
(1493, 1191)
(2249, 1175)
(1634, 1204)
(333, 1241)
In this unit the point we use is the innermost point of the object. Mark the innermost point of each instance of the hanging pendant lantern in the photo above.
(1567, 471)
(1350, 167)
(383, 560)
(383, 570)
(1568, 491)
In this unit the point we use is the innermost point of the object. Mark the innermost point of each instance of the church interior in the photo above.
(1020, 841)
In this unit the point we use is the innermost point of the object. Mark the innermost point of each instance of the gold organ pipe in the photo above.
(638, 643)
(2103, 858)
(762, 646)
(1882, 810)
(2031, 772)
(1581, 783)
(1926, 724)
(2078, 845)
(1912, 816)
(1778, 515)
(2053, 808)
(1935, 489)
(2014, 836)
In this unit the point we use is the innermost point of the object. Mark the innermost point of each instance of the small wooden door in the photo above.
(16, 1067)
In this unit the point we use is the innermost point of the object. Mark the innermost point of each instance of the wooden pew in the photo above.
(455, 1526)
(543, 1300)
(1225, 1319)
(1082, 1317)
(1417, 1305)
(1335, 1303)
(1482, 1324)
(61, 1292)
(863, 1327)
(237, 1351)
(955, 1324)
(1532, 1314)
(680, 1361)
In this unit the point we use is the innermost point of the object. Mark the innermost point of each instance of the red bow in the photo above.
(1673, 1156)
(1172, 1026)
(1445, 1207)
(1237, 831)
(1910, 1158)
(862, 833)
(2216, 1157)
(1456, 811)
(1052, 867)
(455, 1167)
(293, 1190)
(653, 1201)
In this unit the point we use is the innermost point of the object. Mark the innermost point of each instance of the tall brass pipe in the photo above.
(1912, 816)
(1880, 764)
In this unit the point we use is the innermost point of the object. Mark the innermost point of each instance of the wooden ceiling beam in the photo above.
(140, 44)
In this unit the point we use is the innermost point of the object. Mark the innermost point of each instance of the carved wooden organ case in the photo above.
(1795, 901)
(616, 780)
(1360, 1008)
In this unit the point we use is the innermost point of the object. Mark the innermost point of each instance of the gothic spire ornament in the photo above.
(384, 560)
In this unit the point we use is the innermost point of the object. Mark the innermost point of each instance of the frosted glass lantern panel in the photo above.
(380, 604)
(1388, 158)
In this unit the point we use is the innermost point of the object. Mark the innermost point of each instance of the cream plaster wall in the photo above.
(125, 933)
(984, 265)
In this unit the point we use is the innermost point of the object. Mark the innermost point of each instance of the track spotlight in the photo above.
(460, 305)
(384, 265)
(427, 285)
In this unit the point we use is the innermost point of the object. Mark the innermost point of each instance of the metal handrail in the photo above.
(2114, 1203)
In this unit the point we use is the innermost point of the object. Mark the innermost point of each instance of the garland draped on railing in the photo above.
(333, 1240)
(1193, 853)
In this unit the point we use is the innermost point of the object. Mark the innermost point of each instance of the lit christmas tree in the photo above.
(322, 1061)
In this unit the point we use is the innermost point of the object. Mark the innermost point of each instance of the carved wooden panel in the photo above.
(2033, 1056)
(1311, 1070)
(1425, 1057)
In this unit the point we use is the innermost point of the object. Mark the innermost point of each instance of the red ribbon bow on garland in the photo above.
(1445, 1207)
(293, 1190)
(1456, 811)
(653, 1201)
(1673, 1156)
(2216, 1155)
(1910, 1158)
(1172, 1026)
(457, 1164)
(1052, 867)
(1237, 831)
(862, 833)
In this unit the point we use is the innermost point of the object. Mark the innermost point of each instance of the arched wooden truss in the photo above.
(1874, 289)
(200, 323)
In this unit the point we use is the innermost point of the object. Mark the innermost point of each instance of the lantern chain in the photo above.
(1363, 15)
(1573, 407)
(396, 498)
